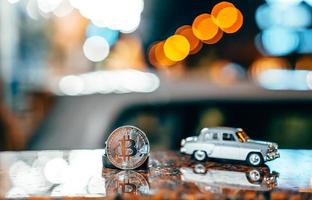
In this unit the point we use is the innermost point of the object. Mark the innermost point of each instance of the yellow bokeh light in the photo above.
(187, 32)
(204, 27)
(176, 47)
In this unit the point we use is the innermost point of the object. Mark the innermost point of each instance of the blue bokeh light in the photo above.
(280, 41)
(296, 16)
(110, 35)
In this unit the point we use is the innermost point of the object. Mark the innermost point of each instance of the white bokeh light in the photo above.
(71, 85)
(47, 6)
(123, 15)
(96, 48)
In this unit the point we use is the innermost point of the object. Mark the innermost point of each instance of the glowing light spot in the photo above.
(47, 6)
(176, 47)
(309, 83)
(63, 9)
(284, 2)
(187, 32)
(96, 48)
(215, 39)
(55, 170)
(267, 63)
(304, 63)
(71, 85)
(227, 17)
(161, 59)
(220, 6)
(296, 16)
(279, 41)
(13, 1)
(204, 27)
(110, 35)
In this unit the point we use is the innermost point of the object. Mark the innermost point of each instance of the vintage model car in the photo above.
(229, 143)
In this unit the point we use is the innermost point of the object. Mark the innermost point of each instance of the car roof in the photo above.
(227, 129)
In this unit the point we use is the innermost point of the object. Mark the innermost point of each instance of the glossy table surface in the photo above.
(171, 175)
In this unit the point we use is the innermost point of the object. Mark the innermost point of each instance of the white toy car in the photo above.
(229, 143)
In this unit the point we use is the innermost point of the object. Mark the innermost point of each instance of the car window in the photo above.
(228, 137)
(215, 136)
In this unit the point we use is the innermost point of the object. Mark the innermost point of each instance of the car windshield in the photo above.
(242, 136)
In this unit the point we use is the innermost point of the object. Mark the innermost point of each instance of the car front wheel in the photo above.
(200, 155)
(254, 159)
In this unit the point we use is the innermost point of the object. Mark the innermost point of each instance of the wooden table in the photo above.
(79, 174)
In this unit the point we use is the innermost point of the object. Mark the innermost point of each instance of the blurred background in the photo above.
(71, 71)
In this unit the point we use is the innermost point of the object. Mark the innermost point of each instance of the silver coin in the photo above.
(127, 147)
(129, 182)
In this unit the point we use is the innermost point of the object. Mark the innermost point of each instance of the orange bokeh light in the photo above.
(227, 17)
(215, 39)
(220, 6)
(161, 58)
(266, 63)
(204, 27)
(157, 56)
(187, 32)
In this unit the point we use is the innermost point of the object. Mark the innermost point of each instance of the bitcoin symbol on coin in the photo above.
(127, 150)
(127, 187)
(128, 181)
(127, 147)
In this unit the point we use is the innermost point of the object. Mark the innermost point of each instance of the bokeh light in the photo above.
(227, 17)
(304, 63)
(122, 15)
(204, 27)
(71, 85)
(224, 72)
(63, 9)
(47, 6)
(96, 48)
(296, 16)
(187, 32)
(161, 59)
(266, 63)
(220, 6)
(280, 41)
(215, 39)
(176, 47)
(110, 35)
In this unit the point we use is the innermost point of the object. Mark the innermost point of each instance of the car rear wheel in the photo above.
(200, 155)
(254, 159)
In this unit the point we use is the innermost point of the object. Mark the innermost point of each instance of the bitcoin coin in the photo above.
(129, 182)
(127, 147)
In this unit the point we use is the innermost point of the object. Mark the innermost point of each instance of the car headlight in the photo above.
(182, 142)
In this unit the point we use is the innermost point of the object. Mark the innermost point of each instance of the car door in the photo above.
(228, 147)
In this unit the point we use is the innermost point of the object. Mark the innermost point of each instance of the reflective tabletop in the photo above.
(170, 175)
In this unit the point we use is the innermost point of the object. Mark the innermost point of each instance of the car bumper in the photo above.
(183, 150)
(272, 155)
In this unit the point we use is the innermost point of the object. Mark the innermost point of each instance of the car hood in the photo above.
(258, 144)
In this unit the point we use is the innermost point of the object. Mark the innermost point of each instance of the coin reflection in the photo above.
(215, 179)
(127, 182)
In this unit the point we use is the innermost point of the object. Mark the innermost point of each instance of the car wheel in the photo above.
(200, 155)
(254, 176)
(200, 169)
(254, 159)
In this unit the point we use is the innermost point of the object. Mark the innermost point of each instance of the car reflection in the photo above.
(215, 179)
